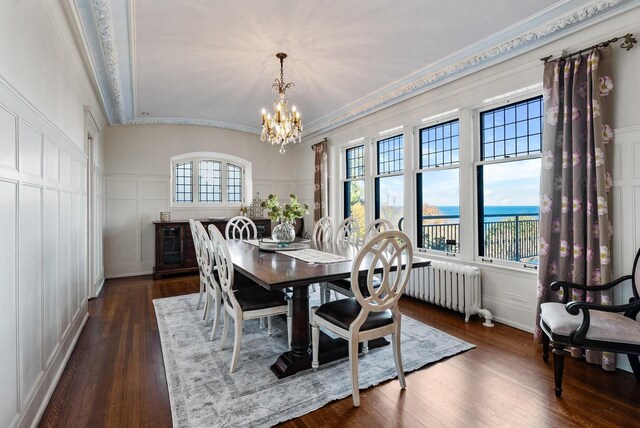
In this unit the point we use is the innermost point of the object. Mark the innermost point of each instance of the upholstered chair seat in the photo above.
(604, 326)
(344, 311)
(255, 298)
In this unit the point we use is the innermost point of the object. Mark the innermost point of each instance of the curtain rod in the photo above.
(323, 141)
(627, 44)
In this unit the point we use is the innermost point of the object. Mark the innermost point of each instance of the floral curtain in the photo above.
(321, 181)
(575, 182)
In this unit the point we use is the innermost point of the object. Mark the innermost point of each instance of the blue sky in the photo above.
(509, 183)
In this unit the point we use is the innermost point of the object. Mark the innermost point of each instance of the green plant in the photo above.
(288, 213)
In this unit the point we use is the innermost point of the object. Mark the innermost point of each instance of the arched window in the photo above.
(209, 179)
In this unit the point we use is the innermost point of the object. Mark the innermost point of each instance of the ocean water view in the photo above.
(494, 213)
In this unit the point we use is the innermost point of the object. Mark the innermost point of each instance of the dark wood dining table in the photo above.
(278, 271)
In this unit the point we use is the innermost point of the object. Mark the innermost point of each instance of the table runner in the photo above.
(308, 255)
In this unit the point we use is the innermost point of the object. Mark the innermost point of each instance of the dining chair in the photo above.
(323, 234)
(240, 227)
(376, 227)
(343, 286)
(362, 318)
(196, 244)
(213, 298)
(246, 303)
(348, 232)
(323, 230)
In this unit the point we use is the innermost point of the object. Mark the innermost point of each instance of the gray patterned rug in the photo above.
(204, 393)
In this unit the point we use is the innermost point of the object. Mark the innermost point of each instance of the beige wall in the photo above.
(44, 267)
(510, 293)
(138, 169)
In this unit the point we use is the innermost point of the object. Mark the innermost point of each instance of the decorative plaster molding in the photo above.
(104, 24)
(412, 85)
(359, 108)
(195, 122)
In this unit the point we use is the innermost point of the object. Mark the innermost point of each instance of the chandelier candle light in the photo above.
(284, 126)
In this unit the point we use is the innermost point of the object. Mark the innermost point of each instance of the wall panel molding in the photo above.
(43, 198)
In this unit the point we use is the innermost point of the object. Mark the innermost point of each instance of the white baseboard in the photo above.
(36, 406)
(121, 270)
(98, 287)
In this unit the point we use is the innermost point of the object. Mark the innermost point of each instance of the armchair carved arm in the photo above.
(566, 285)
(630, 310)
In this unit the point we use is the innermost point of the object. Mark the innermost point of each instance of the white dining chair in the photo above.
(323, 234)
(196, 244)
(376, 227)
(348, 232)
(246, 303)
(213, 292)
(323, 230)
(240, 227)
(343, 286)
(362, 318)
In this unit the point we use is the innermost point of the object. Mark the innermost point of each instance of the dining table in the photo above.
(280, 270)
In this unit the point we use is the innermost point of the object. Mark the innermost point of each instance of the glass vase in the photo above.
(284, 233)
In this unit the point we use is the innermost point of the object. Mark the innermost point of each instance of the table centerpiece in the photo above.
(284, 233)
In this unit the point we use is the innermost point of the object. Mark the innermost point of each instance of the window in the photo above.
(210, 189)
(209, 178)
(234, 183)
(354, 185)
(509, 181)
(184, 182)
(389, 182)
(438, 188)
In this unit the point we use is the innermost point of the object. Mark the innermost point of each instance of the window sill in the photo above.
(498, 267)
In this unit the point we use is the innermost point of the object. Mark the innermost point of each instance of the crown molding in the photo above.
(194, 122)
(104, 26)
(437, 74)
(544, 27)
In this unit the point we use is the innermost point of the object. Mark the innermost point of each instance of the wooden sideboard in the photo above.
(174, 245)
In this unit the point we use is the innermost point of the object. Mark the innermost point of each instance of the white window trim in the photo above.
(195, 157)
(437, 121)
(366, 143)
(477, 151)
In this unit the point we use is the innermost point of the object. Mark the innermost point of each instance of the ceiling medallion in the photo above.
(284, 126)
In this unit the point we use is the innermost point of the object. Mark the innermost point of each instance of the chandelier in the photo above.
(284, 126)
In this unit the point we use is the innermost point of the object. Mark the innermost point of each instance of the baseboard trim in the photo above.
(98, 288)
(49, 380)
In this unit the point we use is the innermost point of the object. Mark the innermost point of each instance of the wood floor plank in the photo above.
(115, 376)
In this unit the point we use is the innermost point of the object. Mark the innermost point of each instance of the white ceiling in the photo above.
(213, 62)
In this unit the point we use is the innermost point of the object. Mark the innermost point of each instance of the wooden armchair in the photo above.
(592, 326)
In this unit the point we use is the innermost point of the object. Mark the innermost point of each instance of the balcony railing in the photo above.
(506, 236)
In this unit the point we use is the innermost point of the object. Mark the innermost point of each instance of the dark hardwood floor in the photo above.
(115, 376)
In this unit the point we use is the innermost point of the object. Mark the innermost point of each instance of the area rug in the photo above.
(204, 393)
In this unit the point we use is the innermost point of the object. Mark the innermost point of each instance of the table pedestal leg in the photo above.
(299, 358)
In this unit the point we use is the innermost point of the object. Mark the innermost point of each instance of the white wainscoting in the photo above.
(135, 201)
(626, 211)
(43, 263)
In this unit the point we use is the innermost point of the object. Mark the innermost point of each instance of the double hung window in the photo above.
(438, 188)
(509, 181)
(354, 184)
(389, 181)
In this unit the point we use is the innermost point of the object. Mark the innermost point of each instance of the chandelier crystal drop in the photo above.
(284, 125)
